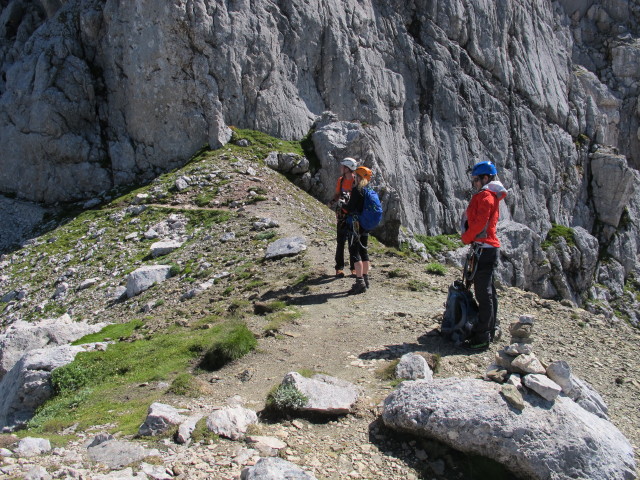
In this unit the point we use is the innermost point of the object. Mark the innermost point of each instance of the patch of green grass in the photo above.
(103, 386)
(185, 385)
(254, 284)
(113, 332)
(202, 434)
(277, 319)
(557, 232)
(206, 197)
(236, 342)
(417, 286)
(439, 243)
(387, 371)
(262, 144)
(301, 279)
(397, 273)
(436, 268)
(268, 235)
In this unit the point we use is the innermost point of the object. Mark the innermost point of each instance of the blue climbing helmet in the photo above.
(484, 168)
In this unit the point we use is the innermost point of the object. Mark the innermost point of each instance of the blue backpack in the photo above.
(371, 211)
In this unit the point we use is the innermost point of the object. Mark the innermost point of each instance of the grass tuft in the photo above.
(237, 342)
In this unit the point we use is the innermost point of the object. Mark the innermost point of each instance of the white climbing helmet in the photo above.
(350, 163)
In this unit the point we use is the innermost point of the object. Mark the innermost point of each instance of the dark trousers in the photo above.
(485, 291)
(341, 240)
(358, 247)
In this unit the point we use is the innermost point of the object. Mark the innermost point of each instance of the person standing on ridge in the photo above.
(339, 201)
(479, 229)
(358, 237)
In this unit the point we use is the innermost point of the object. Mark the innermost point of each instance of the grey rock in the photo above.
(612, 185)
(324, 394)
(163, 248)
(559, 440)
(145, 277)
(413, 367)
(37, 473)
(27, 385)
(160, 418)
(512, 396)
(285, 247)
(89, 282)
(528, 363)
(267, 446)
(117, 453)
(543, 386)
(98, 439)
(31, 447)
(265, 223)
(125, 474)
(231, 422)
(518, 349)
(274, 468)
(576, 389)
(187, 427)
(155, 472)
(21, 337)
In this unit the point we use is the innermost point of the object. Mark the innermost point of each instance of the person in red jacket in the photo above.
(479, 229)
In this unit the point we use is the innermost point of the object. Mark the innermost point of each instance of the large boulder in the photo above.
(546, 440)
(21, 337)
(324, 394)
(145, 277)
(27, 385)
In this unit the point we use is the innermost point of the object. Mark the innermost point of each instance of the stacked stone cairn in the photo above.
(516, 366)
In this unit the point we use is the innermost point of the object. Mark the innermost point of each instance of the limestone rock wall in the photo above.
(99, 93)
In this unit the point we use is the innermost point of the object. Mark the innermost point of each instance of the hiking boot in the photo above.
(358, 287)
(339, 274)
(366, 280)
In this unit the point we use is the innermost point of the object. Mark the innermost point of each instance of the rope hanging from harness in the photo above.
(354, 232)
(471, 264)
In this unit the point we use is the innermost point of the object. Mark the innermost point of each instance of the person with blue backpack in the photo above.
(479, 225)
(364, 212)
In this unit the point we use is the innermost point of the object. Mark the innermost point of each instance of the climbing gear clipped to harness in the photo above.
(461, 309)
(471, 264)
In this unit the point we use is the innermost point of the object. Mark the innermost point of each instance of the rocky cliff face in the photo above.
(95, 94)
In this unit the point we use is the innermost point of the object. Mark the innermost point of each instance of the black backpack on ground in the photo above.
(461, 310)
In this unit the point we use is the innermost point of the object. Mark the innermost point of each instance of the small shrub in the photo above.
(268, 235)
(202, 433)
(277, 319)
(416, 285)
(557, 232)
(387, 371)
(439, 243)
(237, 342)
(286, 397)
(397, 273)
(436, 268)
(434, 362)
